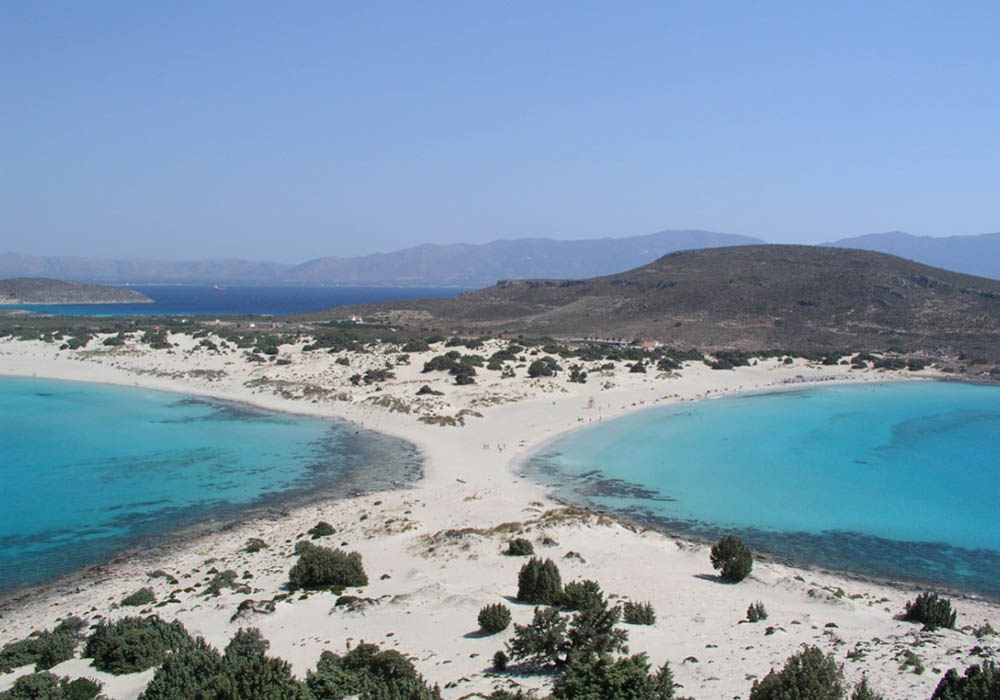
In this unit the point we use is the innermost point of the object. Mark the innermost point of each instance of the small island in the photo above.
(41, 290)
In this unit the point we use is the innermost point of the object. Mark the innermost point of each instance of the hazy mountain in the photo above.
(973, 255)
(33, 290)
(748, 297)
(458, 265)
(464, 265)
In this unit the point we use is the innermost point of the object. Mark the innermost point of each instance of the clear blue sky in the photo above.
(288, 131)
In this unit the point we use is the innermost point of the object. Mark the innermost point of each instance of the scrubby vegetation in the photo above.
(977, 683)
(638, 613)
(756, 612)
(931, 611)
(519, 547)
(321, 567)
(732, 559)
(494, 618)
(143, 596)
(321, 529)
(580, 595)
(368, 673)
(255, 544)
(539, 582)
(134, 644)
(48, 686)
(44, 649)
(603, 677)
(808, 674)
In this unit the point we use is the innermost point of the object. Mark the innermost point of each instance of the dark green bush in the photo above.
(863, 691)
(732, 559)
(134, 644)
(756, 612)
(978, 683)
(223, 579)
(255, 544)
(260, 678)
(932, 611)
(539, 582)
(602, 678)
(320, 567)
(638, 613)
(580, 595)
(494, 618)
(246, 644)
(500, 661)
(543, 642)
(47, 686)
(321, 529)
(44, 649)
(519, 547)
(807, 674)
(184, 673)
(143, 596)
(544, 367)
(370, 674)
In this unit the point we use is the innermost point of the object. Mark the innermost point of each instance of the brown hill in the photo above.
(41, 290)
(747, 297)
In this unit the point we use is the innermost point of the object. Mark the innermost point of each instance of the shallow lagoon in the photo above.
(894, 480)
(89, 469)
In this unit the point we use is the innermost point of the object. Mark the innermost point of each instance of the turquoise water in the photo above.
(89, 470)
(893, 480)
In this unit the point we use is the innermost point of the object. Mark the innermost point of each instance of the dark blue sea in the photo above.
(205, 300)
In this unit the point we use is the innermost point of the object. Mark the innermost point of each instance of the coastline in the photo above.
(439, 541)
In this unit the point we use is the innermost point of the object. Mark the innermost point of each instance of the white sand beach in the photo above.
(433, 552)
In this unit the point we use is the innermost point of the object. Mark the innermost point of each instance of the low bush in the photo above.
(539, 583)
(863, 691)
(519, 547)
(320, 567)
(44, 649)
(808, 674)
(143, 596)
(756, 612)
(978, 683)
(581, 595)
(367, 672)
(601, 678)
(48, 686)
(732, 559)
(133, 644)
(500, 661)
(494, 618)
(221, 580)
(255, 544)
(932, 611)
(321, 529)
(638, 613)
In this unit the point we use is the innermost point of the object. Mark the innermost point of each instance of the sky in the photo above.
(289, 131)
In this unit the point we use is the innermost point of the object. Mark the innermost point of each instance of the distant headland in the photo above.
(41, 290)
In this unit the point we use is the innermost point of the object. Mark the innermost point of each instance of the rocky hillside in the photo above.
(41, 290)
(748, 297)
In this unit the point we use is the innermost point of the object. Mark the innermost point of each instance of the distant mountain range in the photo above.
(476, 266)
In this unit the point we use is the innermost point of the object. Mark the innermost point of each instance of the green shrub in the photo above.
(133, 644)
(143, 596)
(601, 678)
(538, 582)
(47, 686)
(320, 567)
(807, 674)
(321, 529)
(542, 642)
(184, 673)
(978, 683)
(44, 649)
(930, 610)
(544, 367)
(638, 613)
(863, 691)
(500, 661)
(494, 618)
(756, 612)
(260, 678)
(246, 644)
(223, 579)
(370, 674)
(732, 559)
(255, 544)
(580, 595)
(519, 547)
